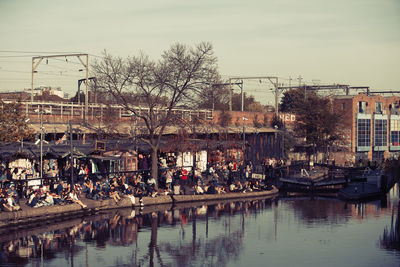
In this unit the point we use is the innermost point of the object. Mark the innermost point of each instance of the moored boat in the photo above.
(360, 191)
(372, 187)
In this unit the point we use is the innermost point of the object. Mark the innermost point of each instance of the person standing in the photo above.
(168, 179)
(184, 176)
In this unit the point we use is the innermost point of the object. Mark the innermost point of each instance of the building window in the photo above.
(364, 132)
(362, 107)
(394, 139)
(394, 108)
(395, 131)
(380, 133)
(378, 107)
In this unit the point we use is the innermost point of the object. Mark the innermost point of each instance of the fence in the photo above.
(64, 112)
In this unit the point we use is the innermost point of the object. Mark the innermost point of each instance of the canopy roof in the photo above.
(9, 151)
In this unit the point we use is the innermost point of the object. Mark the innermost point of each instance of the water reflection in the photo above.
(123, 230)
(223, 234)
(390, 239)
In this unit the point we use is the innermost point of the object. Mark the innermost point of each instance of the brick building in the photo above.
(371, 125)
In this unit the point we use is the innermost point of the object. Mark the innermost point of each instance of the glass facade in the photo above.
(363, 134)
(394, 132)
(380, 139)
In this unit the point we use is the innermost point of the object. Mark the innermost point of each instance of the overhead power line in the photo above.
(29, 52)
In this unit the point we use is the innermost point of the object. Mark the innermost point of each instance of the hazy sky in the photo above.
(355, 42)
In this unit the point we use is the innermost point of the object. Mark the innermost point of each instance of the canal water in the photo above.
(286, 231)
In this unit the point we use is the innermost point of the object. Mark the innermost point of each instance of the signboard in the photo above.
(100, 146)
(258, 176)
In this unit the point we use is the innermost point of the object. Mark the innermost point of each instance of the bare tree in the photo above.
(158, 86)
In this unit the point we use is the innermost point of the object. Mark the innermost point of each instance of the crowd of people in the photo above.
(218, 179)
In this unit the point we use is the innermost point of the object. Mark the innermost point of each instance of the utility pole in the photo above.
(41, 145)
(272, 79)
(71, 155)
(276, 94)
(299, 79)
(41, 110)
(305, 87)
(230, 98)
(34, 67)
(80, 81)
(230, 83)
(213, 100)
(241, 93)
(37, 60)
(244, 137)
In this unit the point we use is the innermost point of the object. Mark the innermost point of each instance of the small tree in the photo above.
(276, 122)
(265, 120)
(256, 122)
(317, 123)
(293, 100)
(250, 104)
(13, 124)
(255, 107)
(159, 86)
(225, 119)
(214, 96)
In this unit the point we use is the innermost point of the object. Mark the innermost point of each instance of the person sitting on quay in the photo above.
(42, 197)
(13, 193)
(232, 187)
(197, 178)
(198, 190)
(246, 187)
(237, 187)
(113, 193)
(88, 188)
(220, 190)
(151, 182)
(177, 188)
(8, 203)
(48, 199)
(34, 199)
(210, 189)
(72, 196)
(129, 192)
(60, 187)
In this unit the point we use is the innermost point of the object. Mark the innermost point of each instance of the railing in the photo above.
(100, 112)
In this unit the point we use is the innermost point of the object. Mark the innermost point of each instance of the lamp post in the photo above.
(280, 149)
(41, 111)
(244, 137)
(71, 155)
(41, 146)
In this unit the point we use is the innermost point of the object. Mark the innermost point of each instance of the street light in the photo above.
(41, 110)
(244, 136)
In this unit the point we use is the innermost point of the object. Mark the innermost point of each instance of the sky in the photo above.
(354, 42)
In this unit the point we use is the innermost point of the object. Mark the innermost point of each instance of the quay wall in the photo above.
(30, 215)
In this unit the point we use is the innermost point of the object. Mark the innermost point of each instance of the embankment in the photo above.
(57, 213)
